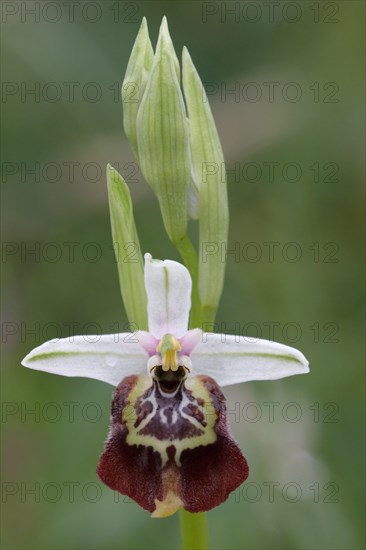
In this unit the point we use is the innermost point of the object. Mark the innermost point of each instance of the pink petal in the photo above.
(147, 341)
(190, 340)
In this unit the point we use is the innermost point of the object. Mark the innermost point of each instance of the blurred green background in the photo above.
(295, 162)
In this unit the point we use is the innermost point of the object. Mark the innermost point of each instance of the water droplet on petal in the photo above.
(111, 361)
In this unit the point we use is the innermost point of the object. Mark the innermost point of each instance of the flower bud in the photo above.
(135, 80)
(181, 158)
(163, 137)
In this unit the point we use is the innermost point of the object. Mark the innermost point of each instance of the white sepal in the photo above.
(108, 357)
(231, 359)
(168, 287)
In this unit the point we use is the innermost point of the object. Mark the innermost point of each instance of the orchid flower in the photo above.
(169, 444)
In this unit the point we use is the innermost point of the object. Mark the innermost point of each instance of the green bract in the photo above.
(210, 180)
(127, 249)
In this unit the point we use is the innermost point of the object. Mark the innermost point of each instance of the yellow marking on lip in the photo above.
(134, 437)
(168, 506)
(168, 347)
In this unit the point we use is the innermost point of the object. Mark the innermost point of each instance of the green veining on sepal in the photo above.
(289, 358)
(56, 354)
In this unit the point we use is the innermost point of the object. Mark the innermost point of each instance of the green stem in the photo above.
(193, 527)
(189, 256)
(194, 532)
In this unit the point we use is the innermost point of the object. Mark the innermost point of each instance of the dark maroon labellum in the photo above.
(169, 445)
